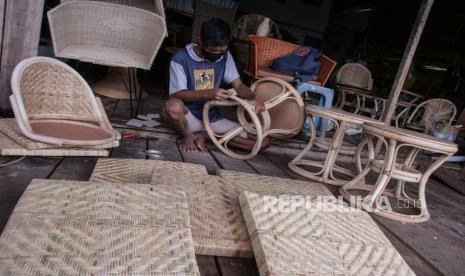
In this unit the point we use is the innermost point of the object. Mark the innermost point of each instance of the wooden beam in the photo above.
(22, 24)
(409, 52)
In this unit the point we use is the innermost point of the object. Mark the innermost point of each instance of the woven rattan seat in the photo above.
(53, 104)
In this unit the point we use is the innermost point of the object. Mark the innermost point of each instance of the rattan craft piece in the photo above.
(142, 171)
(9, 128)
(218, 227)
(10, 147)
(283, 115)
(77, 228)
(106, 33)
(53, 104)
(323, 239)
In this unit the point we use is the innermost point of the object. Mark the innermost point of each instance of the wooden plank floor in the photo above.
(433, 248)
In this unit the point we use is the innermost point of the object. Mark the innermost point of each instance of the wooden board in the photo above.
(229, 163)
(203, 158)
(23, 21)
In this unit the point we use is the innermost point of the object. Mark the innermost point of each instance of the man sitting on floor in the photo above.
(196, 73)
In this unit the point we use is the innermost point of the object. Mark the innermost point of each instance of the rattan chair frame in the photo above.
(260, 128)
(416, 120)
(28, 92)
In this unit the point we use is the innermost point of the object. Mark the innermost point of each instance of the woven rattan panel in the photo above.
(77, 228)
(218, 227)
(141, 171)
(12, 148)
(313, 239)
(10, 129)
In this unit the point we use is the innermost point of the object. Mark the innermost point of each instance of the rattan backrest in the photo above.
(107, 25)
(263, 50)
(439, 110)
(205, 10)
(46, 88)
(355, 75)
(155, 6)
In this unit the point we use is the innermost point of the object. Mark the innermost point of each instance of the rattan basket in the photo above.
(53, 104)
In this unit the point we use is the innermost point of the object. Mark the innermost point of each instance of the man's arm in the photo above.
(208, 94)
(243, 91)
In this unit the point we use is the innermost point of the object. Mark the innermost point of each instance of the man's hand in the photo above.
(258, 105)
(216, 94)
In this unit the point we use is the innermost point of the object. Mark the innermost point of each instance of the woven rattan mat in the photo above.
(141, 171)
(10, 129)
(77, 228)
(12, 148)
(316, 238)
(218, 227)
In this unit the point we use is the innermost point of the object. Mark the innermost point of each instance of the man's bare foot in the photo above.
(199, 139)
(189, 144)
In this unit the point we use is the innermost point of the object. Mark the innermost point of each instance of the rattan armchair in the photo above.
(106, 33)
(429, 112)
(53, 104)
(353, 82)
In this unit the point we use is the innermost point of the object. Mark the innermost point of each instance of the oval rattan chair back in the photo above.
(46, 90)
(429, 112)
(106, 33)
(355, 75)
(247, 25)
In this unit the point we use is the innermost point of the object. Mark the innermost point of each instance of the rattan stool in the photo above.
(342, 120)
(393, 166)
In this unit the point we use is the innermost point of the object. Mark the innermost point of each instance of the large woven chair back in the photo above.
(355, 75)
(205, 10)
(248, 24)
(155, 6)
(263, 50)
(80, 29)
(53, 104)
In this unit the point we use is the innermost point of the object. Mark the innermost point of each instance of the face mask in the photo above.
(212, 57)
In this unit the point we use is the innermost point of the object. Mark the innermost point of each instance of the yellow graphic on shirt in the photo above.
(204, 79)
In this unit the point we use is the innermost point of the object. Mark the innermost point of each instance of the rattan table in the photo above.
(398, 167)
(342, 120)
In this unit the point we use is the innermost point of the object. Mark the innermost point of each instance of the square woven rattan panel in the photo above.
(317, 239)
(141, 171)
(81, 228)
(11, 130)
(9, 147)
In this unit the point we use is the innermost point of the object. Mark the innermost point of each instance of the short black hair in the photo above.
(215, 32)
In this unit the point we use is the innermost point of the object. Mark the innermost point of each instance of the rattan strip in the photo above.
(9, 147)
(313, 239)
(77, 228)
(10, 128)
(141, 171)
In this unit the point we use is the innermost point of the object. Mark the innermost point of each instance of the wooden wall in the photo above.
(21, 24)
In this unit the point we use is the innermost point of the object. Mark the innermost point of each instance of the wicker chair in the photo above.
(106, 33)
(353, 82)
(264, 50)
(429, 112)
(53, 104)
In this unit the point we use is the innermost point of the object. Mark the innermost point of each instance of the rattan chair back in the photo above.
(429, 112)
(106, 33)
(49, 97)
(355, 75)
(205, 10)
(155, 6)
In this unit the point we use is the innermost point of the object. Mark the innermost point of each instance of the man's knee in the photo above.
(174, 109)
